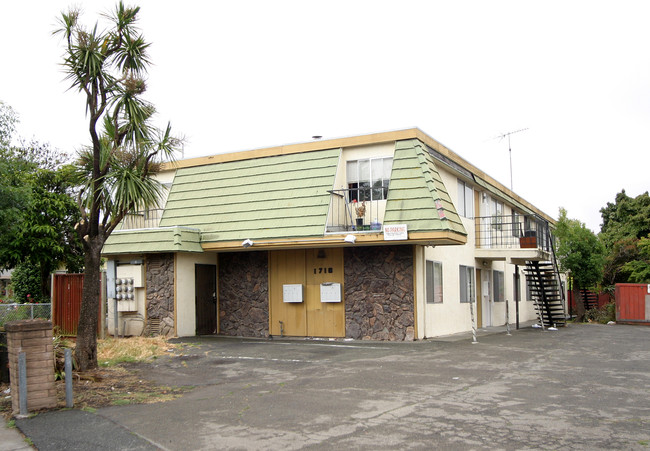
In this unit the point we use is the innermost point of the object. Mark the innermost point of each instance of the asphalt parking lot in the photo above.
(582, 387)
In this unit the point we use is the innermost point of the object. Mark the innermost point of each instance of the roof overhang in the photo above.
(148, 241)
(442, 238)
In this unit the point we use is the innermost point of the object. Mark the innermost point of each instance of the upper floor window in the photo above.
(496, 211)
(368, 179)
(516, 232)
(465, 200)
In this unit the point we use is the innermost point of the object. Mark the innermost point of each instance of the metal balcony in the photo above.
(147, 219)
(356, 210)
(519, 237)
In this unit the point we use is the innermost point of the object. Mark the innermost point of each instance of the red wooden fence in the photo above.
(66, 302)
(603, 299)
(633, 303)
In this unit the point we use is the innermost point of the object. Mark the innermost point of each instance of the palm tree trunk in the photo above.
(86, 349)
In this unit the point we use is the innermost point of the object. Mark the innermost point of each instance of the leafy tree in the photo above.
(580, 251)
(625, 232)
(14, 196)
(46, 235)
(8, 120)
(37, 213)
(639, 268)
(116, 170)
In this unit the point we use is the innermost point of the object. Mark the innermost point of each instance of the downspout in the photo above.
(423, 276)
(517, 295)
(415, 292)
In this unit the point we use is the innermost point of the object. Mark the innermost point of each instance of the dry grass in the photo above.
(113, 351)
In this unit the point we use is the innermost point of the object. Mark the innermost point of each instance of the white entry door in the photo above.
(486, 293)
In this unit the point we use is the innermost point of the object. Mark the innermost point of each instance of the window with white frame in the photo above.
(368, 179)
(467, 286)
(499, 289)
(434, 282)
(496, 211)
(465, 200)
(516, 232)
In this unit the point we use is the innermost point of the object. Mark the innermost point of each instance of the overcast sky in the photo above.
(238, 75)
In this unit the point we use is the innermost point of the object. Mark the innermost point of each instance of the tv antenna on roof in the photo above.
(501, 137)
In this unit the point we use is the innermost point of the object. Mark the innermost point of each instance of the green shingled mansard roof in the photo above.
(282, 197)
(417, 196)
(262, 198)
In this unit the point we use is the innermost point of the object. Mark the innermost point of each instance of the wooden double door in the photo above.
(309, 268)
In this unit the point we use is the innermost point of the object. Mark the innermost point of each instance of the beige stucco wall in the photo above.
(128, 309)
(451, 316)
(185, 290)
(166, 178)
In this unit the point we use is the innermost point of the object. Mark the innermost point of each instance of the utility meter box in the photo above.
(135, 272)
(330, 292)
(292, 292)
(129, 287)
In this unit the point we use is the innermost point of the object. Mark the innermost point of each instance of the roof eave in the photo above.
(433, 238)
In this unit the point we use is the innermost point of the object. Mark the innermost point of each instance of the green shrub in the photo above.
(26, 283)
(602, 315)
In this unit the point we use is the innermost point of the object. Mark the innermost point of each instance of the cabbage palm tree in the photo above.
(115, 171)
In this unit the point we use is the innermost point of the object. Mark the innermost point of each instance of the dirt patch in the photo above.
(118, 384)
(105, 387)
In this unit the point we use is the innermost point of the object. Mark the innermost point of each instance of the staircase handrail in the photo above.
(557, 270)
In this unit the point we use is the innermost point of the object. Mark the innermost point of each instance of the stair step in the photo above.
(544, 288)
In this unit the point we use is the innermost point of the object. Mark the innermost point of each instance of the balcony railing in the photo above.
(512, 232)
(147, 219)
(349, 212)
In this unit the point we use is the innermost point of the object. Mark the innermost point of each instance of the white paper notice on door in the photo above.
(330, 292)
(292, 292)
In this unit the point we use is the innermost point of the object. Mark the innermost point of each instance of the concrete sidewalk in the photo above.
(582, 387)
(12, 440)
(78, 430)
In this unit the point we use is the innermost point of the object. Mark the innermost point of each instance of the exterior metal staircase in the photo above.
(546, 292)
(589, 298)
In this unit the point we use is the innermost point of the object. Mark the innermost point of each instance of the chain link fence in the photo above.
(16, 312)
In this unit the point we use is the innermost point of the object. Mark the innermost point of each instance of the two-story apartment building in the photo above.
(388, 236)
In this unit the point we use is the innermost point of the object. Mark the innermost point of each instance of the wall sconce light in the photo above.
(247, 243)
(350, 239)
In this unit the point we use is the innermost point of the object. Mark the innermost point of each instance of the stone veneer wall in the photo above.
(160, 290)
(379, 295)
(244, 294)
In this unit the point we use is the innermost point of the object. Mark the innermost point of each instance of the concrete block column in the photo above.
(34, 338)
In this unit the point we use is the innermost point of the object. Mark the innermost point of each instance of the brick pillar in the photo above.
(34, 338)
